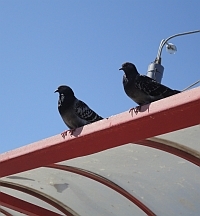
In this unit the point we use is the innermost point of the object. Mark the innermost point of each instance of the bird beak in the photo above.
(121, 69)
(56, 91)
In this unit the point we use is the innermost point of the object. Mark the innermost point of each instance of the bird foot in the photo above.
(64, 134)
(135, 109)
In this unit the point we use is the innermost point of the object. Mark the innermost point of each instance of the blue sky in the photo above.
(46, 43)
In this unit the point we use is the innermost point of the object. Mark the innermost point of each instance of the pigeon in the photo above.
(143, 89)
(74, 112)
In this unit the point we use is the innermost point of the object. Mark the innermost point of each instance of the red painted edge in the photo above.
(23, 206)
(106, 182)
(170, 149)
(163, 116)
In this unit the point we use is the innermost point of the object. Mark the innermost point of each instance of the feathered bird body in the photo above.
(143, 89)
(75, 113)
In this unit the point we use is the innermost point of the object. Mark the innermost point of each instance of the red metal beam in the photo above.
(106, 182)
(5, 212)
(40, 195)
(23, 206)
(172, 150)
(167, 115)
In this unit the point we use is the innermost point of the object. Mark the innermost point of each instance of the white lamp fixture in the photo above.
(155, 69)
(171, 48)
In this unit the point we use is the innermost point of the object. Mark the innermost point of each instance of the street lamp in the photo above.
(155, 69)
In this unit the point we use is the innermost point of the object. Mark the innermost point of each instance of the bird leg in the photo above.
(64, 134)
(71, 131)
(135, 109)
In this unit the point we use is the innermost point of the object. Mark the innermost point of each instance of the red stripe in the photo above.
(170, 149)
(46, 198)
(105, 182)
(5, 212)
(23, 206)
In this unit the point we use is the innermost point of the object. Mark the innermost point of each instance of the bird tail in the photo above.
(172, 92)
(176, 92)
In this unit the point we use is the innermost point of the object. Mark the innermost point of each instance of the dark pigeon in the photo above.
(75, 113)
(143, 89)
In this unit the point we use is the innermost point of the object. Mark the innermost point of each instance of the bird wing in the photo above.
(150, 87)
(84, 112)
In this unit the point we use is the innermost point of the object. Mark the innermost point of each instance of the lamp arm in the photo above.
(164, 41)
